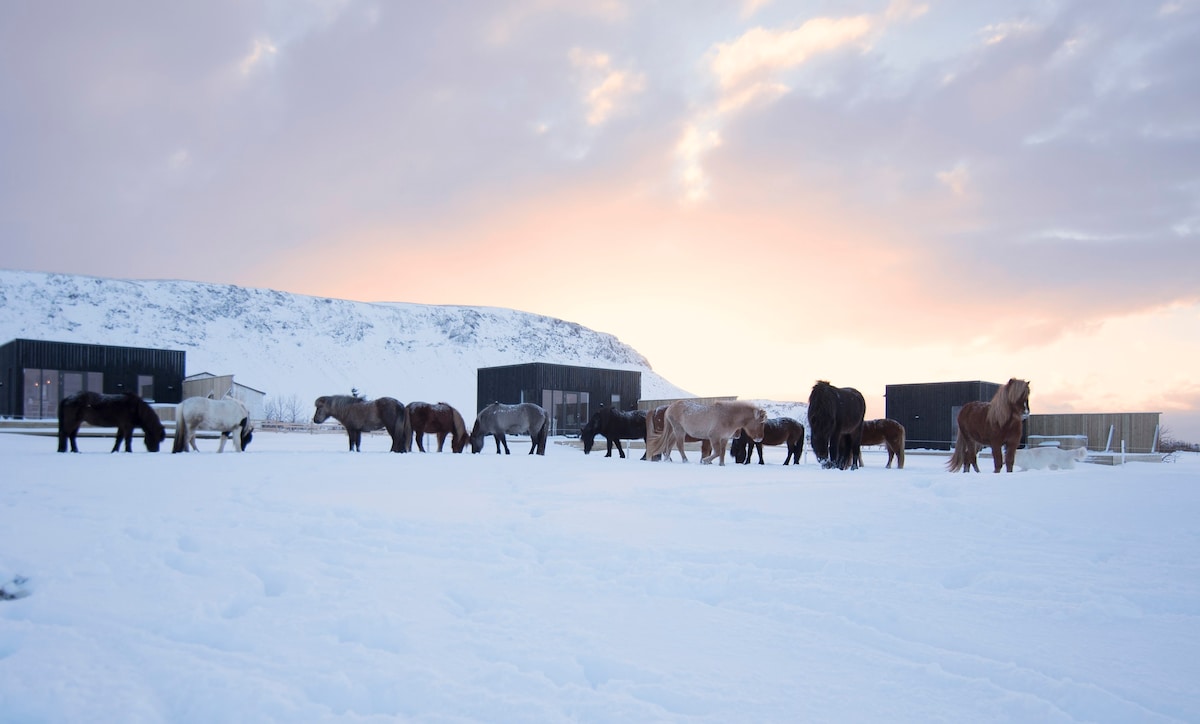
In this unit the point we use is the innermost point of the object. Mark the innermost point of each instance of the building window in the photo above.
(44, 389)
(145, 387)
(568, 410)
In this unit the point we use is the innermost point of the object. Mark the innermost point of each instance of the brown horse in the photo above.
(124, 412)
(777, 431)
(888, 433)
(656, 423)
(997, 423)
(716, 422)
(441, 420)
(358, 415)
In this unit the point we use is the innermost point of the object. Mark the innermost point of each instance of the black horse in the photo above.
(835, 421)
(358, 415)
(776, 431)
(124, 412)
(615, 426)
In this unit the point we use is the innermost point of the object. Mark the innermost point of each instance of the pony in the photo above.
(1048, 457)
(716, 422)
(776, 431)
(996, 423)
(886, 432)
(124, 411)
(656, 424)
(499, 419)
(358, 415)
(227, 416)
(439, 419)
(835, 418)
(615, 426)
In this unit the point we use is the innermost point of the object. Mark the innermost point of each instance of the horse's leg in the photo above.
(998, 456)
(758, 446)
(620, 450)
(221, 447)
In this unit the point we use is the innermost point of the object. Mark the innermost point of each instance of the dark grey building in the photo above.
(569, 393)
(36, 374)
(929, 411)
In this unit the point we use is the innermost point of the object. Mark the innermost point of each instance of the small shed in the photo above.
(204, 384)
(36, 374)
(1104, 430)
(569, 393)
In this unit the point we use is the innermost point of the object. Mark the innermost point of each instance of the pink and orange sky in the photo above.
(753, 194)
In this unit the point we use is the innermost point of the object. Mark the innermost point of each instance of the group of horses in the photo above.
(836, 426)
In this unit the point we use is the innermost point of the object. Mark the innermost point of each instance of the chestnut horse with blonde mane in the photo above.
(439, 419)
(716, 422)
(997, 423)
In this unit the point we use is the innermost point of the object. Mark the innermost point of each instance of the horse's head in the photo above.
(588, 433)
(476, 438)
(152, 428)
(247, 432)
(757, 427)
(322, 413)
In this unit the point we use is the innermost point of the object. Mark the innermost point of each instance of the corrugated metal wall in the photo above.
(929, 410)
(511, 384)
(119, 365)
(1137, 429)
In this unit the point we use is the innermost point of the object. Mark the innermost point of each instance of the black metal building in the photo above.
(929, 411)
(569, 393)
(36, 374)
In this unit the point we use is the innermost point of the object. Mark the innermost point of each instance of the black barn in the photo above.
(569, 393)
(36, 374)
(929, 411)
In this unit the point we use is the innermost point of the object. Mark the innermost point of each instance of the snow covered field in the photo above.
(300, 582)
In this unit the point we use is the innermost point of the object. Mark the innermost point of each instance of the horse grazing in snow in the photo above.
(716, 422)
(227, 416)
(835, 418)
(438, 419)
(886, 432)
(997, 423)
(124, 412)
(615, 426)
(499, 419)
(776, 431)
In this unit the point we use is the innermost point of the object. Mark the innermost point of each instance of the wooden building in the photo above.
(204, 384)
(929, 411)
(1139, 431)
(36, 374)
(569, 393)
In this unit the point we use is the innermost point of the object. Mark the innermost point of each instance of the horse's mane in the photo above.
(1008, 402)
(343, 400)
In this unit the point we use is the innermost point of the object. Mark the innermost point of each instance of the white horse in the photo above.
(226, 416)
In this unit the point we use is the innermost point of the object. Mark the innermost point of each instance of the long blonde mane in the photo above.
(1011, 400)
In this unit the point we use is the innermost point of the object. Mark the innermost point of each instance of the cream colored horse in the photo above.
(227, 416)
(715, 423)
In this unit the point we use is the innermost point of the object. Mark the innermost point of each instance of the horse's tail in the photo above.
(461, 436)
(900, 445)
(657, 442)
(958, 458)
(406, 431)
(542, 435)
(63, 429)
(180, 431)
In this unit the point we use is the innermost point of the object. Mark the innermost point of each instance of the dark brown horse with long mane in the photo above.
(886, 432)
(835, 417)
(615, 426)
(358, 415)
(124, 412)
(437, 419)
(776, 431)
(997, 423)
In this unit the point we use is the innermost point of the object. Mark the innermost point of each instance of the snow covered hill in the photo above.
(290, 344)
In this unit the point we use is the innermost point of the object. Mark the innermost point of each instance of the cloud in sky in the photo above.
(969, 190)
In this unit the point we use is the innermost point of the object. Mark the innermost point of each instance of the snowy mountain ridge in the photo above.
(285, 344)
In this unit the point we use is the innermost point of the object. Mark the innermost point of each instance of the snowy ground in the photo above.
(300, 582)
